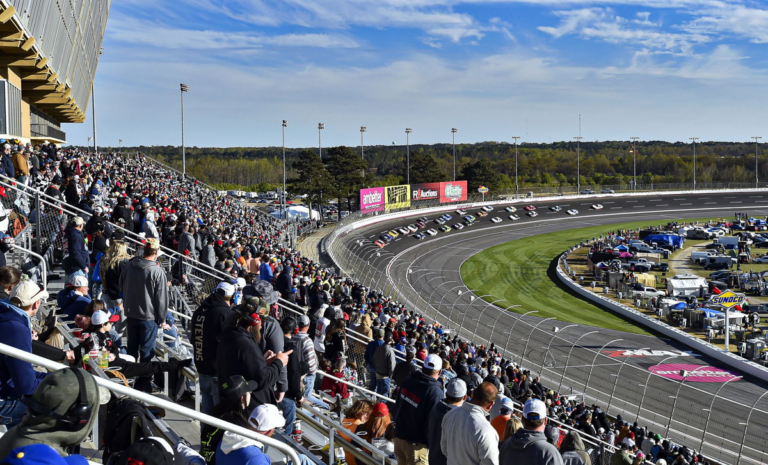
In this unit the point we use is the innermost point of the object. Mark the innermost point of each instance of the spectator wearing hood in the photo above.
(56, 396)
(145, 301)
(77, 261)
(18, 378)
(529, 444)
(573, 450)
(74, 298)
(208, 321)
(284, 283)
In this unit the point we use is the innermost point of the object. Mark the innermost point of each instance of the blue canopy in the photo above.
(622, 247)
(709, 313)
(670, 239)
(678, 306)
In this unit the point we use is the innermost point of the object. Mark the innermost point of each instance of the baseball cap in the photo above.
(303, 321)
(152, 243)
(78, 221)
(29, 292)
(228, 288)
(380, 410)
(506, 406)
(266, 417)
(79, 281)
(100, 317)
(236, 387)
(147, 451)
(433, 362)
(456, 388)
(41, 454)
(534, 410)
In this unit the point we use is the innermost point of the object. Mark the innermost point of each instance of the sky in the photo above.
(543, 70)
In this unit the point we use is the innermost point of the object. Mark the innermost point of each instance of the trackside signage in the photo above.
(430, 191)
(693, 373)
(372, 200)
(727, 299)
(455, 191)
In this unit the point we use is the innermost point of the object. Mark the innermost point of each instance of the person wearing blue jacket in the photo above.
(77, 261)
(265, 271)
(74, 298)
(419, 395)
(18, 378)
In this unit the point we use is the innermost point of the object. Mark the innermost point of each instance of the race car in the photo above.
(532, 214)
(432, 232)
(496, 220)
(488, 208)
(380, 243)
(419, 236)
(482, 213)
(597, 206)
(555, 208)
(424, 219)
(458, 226)
(445, 228)
(386, 238)
(529, 208)
(470, 218)
(573, 212)
(404, 231)
(446, 217)
(511, 209)
(439, 221)
(394, 234)
(413, 227)
(514, 217)
(421, 224)
(461, 212)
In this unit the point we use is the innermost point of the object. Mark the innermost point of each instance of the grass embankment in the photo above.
(523, 272)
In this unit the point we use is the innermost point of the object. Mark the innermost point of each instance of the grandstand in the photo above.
(41, 245)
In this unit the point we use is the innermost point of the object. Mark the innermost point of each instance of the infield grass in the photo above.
(522, 271)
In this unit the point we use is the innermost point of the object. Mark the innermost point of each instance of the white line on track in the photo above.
(663, 205)
(683, 204)
(615, 208)
(710, 203)
(736, 202)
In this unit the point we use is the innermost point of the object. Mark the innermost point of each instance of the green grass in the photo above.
(523, 272)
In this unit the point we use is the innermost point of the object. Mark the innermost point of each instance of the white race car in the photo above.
(496, 220)
(556, 208)
(573, 212)
(514, 217)
(511, 209)
(432, 232)
(488, 208)
(532, 214)
(461, 212)
(597, 206)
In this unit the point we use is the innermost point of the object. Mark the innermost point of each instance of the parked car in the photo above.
(606, 191)
(646, 292)
(763, 259)
(587, 191)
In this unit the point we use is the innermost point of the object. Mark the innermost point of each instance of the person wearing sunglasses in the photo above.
(18, 378)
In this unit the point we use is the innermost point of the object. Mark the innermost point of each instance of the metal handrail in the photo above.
(354, 386)
(156, 401)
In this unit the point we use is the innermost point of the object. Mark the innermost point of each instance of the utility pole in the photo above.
(183, 88)
(517, 186)
(578, 163)
(320, 127)
(362, 145)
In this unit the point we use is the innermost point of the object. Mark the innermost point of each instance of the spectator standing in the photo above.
(208, 321)
(265, 271)
(18, 378)
(370, 350)
(455, 395)
(145, 290)
(76, 262)
(468, 438)
(297, 367)
(529, 444)
(384, 361)
(272, 340)
(418, 397)
(304, 343)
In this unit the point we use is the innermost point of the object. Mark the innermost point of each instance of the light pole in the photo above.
(757, 179)
(119, 145)
(694, 139)
(634, 164)
(183, 88)
(453, 135)
(362, 145)
(93, 112)
(578, 163)
(408, 132)
(89, 142)
(320, 127)
(517, 187)
(285, 216)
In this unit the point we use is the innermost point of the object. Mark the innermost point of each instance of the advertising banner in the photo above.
(397, 197)
(372, 200)
(430, 191)
(455, 191)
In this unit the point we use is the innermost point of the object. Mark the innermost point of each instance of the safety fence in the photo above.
(723, 427)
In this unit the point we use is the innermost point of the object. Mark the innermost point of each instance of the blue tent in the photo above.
(678, 306)
(710, 313)
(670, 239)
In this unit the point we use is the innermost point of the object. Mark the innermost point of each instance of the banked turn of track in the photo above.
(725, 418)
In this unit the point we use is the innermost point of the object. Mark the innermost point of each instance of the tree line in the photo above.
(492, 164)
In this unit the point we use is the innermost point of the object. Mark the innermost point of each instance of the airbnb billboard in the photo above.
(420, 192)
(372, 200)
(455, 191)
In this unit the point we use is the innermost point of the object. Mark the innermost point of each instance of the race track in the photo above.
(578, 359)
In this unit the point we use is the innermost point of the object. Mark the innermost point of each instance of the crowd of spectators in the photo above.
(454, 401)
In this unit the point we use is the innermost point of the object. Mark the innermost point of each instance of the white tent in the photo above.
(687, 284)
(296, 212)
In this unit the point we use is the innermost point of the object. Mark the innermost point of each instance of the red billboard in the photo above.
(455, 191)
(430, 191)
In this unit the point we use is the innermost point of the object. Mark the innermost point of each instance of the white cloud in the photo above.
(738, 20)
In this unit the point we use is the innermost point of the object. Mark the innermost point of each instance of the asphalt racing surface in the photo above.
(709, 410)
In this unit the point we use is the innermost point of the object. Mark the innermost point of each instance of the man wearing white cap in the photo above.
(18, 378)
(468, 438)
(455, 395)
(529, 444)
(419, 395)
